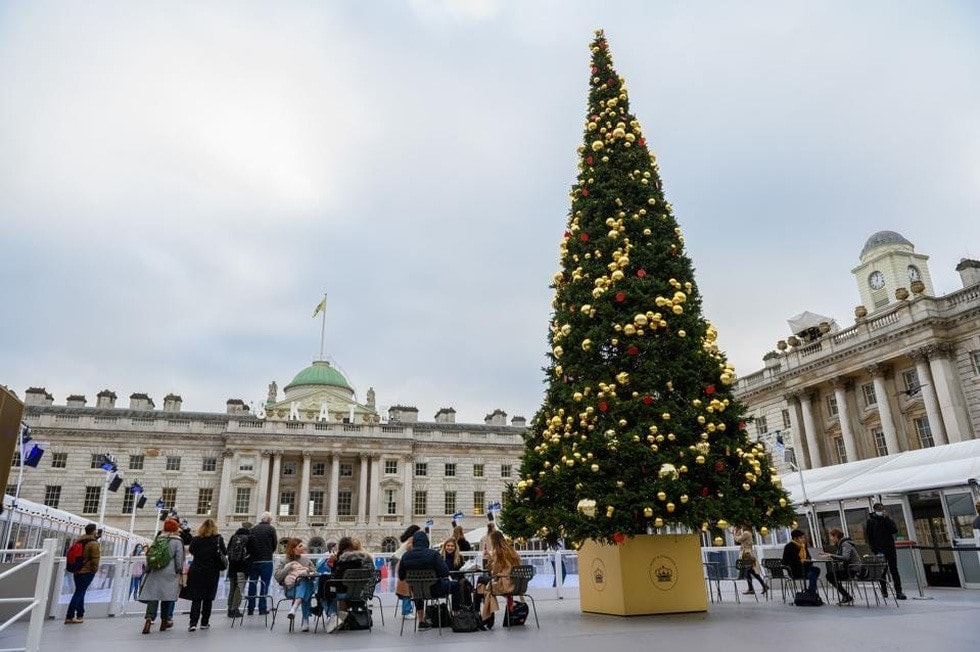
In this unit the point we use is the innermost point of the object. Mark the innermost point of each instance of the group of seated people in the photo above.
(796, 557)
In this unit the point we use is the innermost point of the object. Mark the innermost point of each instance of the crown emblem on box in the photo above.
(597, 576)
(664, 574)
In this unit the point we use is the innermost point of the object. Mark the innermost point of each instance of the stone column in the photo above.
(407, 514)
(928, 388)
(334, 486)
(274, 491)
(810, 425)
(949, 393)
(224, 490)
(362, 484)
(262, 501)
(375, 489)
(304, 492)
(799, 442)
(877, 372)
(841, 386)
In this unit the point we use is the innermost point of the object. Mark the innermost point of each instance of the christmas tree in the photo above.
(639, 429)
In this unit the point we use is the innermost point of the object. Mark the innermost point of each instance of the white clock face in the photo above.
(914, 274)
(876, 280)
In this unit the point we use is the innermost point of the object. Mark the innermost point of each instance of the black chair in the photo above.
(743, 566)
(875, 572)
(520, 576)
(420, 582)
(712, 576)
(244, 596)
(357, 582)
(777, 571)
(369, 594)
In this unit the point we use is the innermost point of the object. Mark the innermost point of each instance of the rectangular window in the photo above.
(391, 467)
(505, 470)
(136, 462)
(346, 470)
(59, 460)
(869, 395)
(52, 495)
(450, 502)
(287, 503)
(391, 503)
(344, 501)
(96, 460)
(477, 470)
(246, 464)
(421, 468)
(832, 410)
(479, 503)
(316, 503)
(319, 468)
(169, 495)
(925, 432)
(173, 463)
(975, 359)
(841, 451)
(785, 418)
(209, 464)
(450, 470)
(129, 499)
(289, 468)
(90, 505)
(761, 425)
(243, 499)
(15, 460)
(204, 497)
(881, 447)
(420, 506)
(910, 379)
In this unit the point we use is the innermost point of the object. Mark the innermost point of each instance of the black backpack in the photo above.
(466, 620)
(516, 614)
(238, 549)
(808, 599)
(358, 618)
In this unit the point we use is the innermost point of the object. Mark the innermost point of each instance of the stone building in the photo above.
(322, 462)
(904, 376)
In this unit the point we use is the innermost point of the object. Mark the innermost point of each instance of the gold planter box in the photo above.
(650, 574)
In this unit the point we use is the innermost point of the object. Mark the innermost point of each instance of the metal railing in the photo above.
(44, 558)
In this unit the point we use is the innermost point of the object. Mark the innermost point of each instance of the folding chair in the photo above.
(876, 574)
(420, 582)
(356, 583)
(712, 576)
(244, 597)
(776, 571)
(369, 595)
(743, 567)
(520, 577)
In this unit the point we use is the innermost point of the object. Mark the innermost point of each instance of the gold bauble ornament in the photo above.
(597, 145)
(671, 507)
(658, 522)
(782, 502)
(722, 523)
(764, 531)
(648, 512)
(595, 468)
(661, 495)
(719, 541)
(684, 498)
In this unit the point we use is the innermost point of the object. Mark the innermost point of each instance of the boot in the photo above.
(765, 589)
(147, 626)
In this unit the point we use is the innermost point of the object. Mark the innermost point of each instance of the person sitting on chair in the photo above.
(797, 558)
(503, 558)
(295, 574)
(422, 557)
(846, 553)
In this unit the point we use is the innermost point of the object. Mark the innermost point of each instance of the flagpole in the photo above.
(323, 326)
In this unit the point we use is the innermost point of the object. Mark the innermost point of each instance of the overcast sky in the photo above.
(181, 181)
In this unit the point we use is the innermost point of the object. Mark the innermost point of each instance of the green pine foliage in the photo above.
(639, 429)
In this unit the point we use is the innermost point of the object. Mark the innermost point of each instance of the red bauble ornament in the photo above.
(588, 160)
(709, 390)
(585, 192)
(619, 538)
(741, 425)
(632, 350)
(584, 237)
(641, 140)
(641, 273)
(719, 466)
(620, 297)
(705, 491)
(647, 400)
(603, 406)
(594, 70)
(595, 116)
(567, 235)
(537, 492)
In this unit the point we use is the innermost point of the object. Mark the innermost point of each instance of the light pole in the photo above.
(137, 490)
(22, 432)
(109, 466)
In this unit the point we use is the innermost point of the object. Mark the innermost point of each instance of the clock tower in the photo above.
(888, 263)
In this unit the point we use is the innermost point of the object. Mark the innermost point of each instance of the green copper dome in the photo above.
(319, 373)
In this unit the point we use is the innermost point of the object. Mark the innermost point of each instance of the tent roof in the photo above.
(950, 465)
(806, 320)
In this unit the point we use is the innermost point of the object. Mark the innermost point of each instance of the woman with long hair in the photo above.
(207, 547)
(296, 574)
(461, 542)
(503, 557)
(136, 569)
(162, 585)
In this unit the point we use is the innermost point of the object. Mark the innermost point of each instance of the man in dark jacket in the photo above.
(797, 558)
(264, 544)
(91, 555)
(239, 544)
(880, 532)
(422, 557)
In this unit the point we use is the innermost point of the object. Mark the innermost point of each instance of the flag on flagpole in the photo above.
(320, 307)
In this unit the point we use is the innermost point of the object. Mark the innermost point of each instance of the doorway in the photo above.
(932, 535)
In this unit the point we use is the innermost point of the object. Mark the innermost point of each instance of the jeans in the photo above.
(303, 591)
(76, 608)
(812, 573)
(134, 586)
(259, 577)
(166, 610)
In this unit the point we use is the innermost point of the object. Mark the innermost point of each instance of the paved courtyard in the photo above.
(947, 621)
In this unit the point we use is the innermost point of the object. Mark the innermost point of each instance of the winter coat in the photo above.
(463, 545)
(240, 566)
(164, 583)
(91, 554)
(264, 542)
(203, 577)
(880, 531)
(792, 560)
(747, 549)
(422, 557)
(848, 553)
(295, 567)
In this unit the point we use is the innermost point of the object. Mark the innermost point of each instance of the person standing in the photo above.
(743, 537)
(162, 585)
(202, 579)
(264, 544)
(91, 555)
(239, 561)
(880, 531)
(136, 570)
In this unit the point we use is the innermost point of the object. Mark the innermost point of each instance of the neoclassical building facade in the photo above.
(322, 462)
(904, 376)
